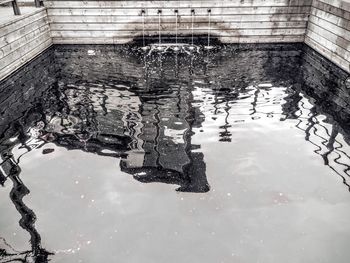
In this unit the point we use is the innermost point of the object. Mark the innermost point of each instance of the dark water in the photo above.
(249, 146)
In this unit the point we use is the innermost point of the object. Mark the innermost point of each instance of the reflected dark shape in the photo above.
(193, 178)
(291, 106)
(166, 113)
(11, 170)
(19, 190)
(2, 179)
(48, 151)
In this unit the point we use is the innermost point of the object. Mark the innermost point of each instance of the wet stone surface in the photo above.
(239, 154)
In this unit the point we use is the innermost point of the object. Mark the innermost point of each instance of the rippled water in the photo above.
(245, 150)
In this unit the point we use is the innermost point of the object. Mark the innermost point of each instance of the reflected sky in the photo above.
(109, 153)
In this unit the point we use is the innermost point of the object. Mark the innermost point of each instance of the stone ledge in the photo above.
(7, 17)
(341, 4)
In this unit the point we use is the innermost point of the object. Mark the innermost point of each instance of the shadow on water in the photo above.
(146, 111)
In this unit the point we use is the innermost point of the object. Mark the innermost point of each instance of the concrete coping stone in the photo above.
(26, 12)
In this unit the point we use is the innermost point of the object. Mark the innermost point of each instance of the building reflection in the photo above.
(149, 124)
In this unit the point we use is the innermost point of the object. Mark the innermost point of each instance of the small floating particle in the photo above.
(265, 85)
(140, 173)
(88, 242)
(347, 83)
(91, 52)
(47, 151)
(82, 196)
(228, 194)
(13, 139)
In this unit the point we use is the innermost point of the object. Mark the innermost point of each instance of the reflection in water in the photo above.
(147, 111)
(27, 221)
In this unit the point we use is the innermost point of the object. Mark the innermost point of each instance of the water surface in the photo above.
(240, 154)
